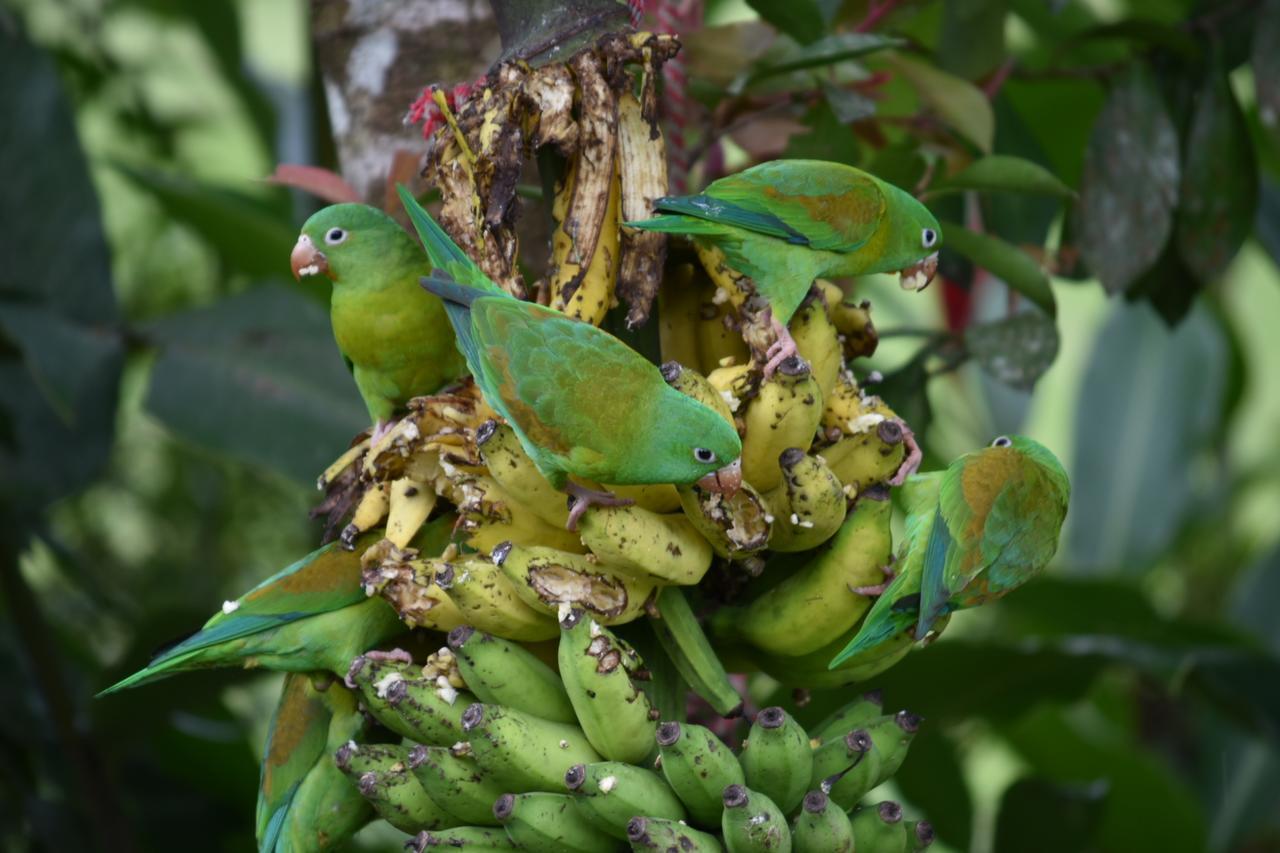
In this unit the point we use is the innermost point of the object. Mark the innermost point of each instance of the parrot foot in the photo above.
(582, 499)
(878, 588)
(380, 430)
(781, 349)
(912, 460)
(395, 655)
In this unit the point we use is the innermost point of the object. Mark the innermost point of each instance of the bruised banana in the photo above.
(777, 759)
(880, 828)
(489, 515)
(685, 643)
(753, 823)
(821, 827)
(785, 413)
(817, 342)
(542, 822)
(693, 384)
(649, 546)
(381, 773)
(864, 440)
(547, 579)
(642, 164)
(339, 466)
(585, 289)
(698, 766)
(736, 527)
(521, 751)
(501, 672)
(665, 835)
(489, 600)
(737, 385)
(456, 783)
(424, 710)
(809, 505)
(598, 670)
(610, 793)
(817, 602)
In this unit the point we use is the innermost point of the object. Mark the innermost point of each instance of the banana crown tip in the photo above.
(735, 796)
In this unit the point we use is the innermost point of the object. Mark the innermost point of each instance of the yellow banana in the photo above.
(410, 586)
(410, 503)
(818, 343)
(691, 383)
(489, 600)
(490, 516)
(736, 527)
(516, 474)
(737, 385)
(642, 164)
(547, 580)
(853, 322)
(338, 466)
(862, 439)
(809, 505)
(785, 413)
(647, 545)
(718, 334)
(655, 497)
(370, 511)
(678, 306)
(732, 287)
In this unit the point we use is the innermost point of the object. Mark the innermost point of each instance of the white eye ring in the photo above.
(334, 236)
(928, 237)
(1002, 441)
(703, 455)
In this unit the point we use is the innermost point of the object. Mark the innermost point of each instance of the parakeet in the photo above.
(393, 335)
(580, 401)
(313, 615)
(974, 532)
(786, 222)
(304, 801)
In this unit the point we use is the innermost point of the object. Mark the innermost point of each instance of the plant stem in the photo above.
(539, 31)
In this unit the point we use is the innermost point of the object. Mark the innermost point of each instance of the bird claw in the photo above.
(911, 462)
(583, 499)
(783, 347)
(394, 655)
(877, 589)
(380, 430)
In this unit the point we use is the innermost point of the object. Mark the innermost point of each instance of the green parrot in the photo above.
(305, 802)
(393, 335)
(786, 222)
(974, 532)
(581, 401)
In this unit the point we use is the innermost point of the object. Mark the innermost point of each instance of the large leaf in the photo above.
(259, 377)
(1016, 350)
(957, 102)
(61, 352)
(1130, 183)
(1149, 401)
(1005, 173)
(1008, 263)
(1266, 66)
(827, 139)
(1022, 218)
(1039, 815)
(1219, 181)
(800, 19)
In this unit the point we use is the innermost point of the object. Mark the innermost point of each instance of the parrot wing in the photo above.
(296, 740)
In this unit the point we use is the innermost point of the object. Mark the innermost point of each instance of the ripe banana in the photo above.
(501, 672)
(410, 503)
(693, 384)
(524, 752)
(489, 600)
(489, 515)
(859, 338)
(516, 474)
(685, 643)
(610, 793)
(339, 466)
(426, 711)
(732, 286)
(846, 768)
(642, 164)
(649, 546)
(381, 773)
(879, 828)
(540, 822)
(456, 783)
(737, 385)
(598, 671)
(785, 413)
(547, 579)
(818, 342)
(698, 766)
(863, 440)
(777, 759)
(821, 827)
(411, 588)
(369, 512)
(736, 527)
(753, 823)
(857, 714)
(817, 603)
(678, 305)
(655, 497)
(473, 839)
(808, 506)
(661, 834)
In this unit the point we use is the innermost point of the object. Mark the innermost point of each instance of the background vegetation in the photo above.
(167, 394)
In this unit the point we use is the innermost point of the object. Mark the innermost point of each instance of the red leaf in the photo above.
(320, 182)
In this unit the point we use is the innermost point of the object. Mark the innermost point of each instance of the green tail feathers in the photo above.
(443, 252)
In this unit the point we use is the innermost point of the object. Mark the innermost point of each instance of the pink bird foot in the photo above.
(879, 588)
(783, 347)
(380, 430)
(584, 499)
(395, 655)
(912, 460)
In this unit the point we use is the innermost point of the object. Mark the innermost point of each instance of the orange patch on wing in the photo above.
(982, 480)
(288, 731)
(521, 412)
(845, 211)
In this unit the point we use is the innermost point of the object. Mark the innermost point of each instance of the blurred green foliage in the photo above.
(167, 395)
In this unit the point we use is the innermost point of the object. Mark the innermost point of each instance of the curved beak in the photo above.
(305, 259)
(727, 481)
(918, 275)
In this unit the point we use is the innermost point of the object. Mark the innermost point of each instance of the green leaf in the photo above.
(1008, 263)
(1219, 181)
(1016, 350)
(1005, 173)
(1130, 184)
(957, 102)
(972, 40)
(1150, 400)
(1022, 218)
(1036, 814)
(1266, 66)
(828, 138)
(1170, 286)
(257, 376)
(800, 19)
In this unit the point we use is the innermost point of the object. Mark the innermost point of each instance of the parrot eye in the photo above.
(928, 237)
(1002, 441)
(703, 455)
(334, 236)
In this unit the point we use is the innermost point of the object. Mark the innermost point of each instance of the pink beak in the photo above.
(727, 481)
(305, 259)
(918, 275)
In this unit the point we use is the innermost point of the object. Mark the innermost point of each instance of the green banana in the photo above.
(598, 669)
(685, 643)
(422, 710)
(861, 711)
(821, 827)
(518, 476)
(472, 839)
(892, 735)
(669, 836)
(846, 768)
(381, 773)
(777, 759)
(650, 546)
(610, 793)
(919, 834)
(879, 829)
(698, 766)
(540, 822)
(753, 823)
(547, 578)
(455, 782)
(489, 600)
(817, 602)
(521, 751)
(813, 669)
(501, 672)
(808, 507)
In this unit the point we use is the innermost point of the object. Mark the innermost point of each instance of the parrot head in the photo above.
(688, 443)
(344, 236)
(913, 239)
